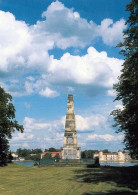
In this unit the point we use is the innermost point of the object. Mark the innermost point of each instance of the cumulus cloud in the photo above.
(24, 51)
(49, 93)
(32, 124)
(106, 137)
(112, 33)
(45, 134)
(22, 136)
(88, 123)
(95, 69)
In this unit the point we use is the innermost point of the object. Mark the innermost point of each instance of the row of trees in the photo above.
(26, 152)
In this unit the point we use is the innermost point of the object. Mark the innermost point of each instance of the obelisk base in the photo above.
(71, 152)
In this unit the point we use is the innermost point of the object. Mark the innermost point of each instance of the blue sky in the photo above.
(49, 49)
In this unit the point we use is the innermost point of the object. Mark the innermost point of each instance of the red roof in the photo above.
(111, 153)
(52, 153)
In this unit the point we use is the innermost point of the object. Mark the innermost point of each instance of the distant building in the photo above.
(14, 155)
(53, 154)
(21, 158)
(114, 156)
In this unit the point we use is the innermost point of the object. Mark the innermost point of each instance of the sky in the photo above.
(49, 49)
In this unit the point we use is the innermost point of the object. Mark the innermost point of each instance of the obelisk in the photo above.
(70, 149)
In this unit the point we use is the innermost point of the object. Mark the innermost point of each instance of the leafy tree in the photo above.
(10, 157)
(88, 153)
(36, 151)
(83, 155)
(23, 152)
(35, 157)
(106, 151)
(52, 150)
(47, 156)
(57, 156)
(127, 87)
(8, 124)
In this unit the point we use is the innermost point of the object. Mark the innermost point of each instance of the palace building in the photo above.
(114, 156)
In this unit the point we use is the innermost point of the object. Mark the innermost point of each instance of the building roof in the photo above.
(51, 153)
(111, 153)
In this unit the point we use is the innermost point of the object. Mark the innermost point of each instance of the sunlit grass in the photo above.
(21, 180)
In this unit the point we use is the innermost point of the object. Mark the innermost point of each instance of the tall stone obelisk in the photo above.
(70, 149)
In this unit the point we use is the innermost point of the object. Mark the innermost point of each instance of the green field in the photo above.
(21, 180)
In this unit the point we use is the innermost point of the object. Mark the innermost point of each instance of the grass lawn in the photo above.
(20, 180)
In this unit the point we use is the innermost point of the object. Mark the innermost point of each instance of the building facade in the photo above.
(114, 156)
(70, 148)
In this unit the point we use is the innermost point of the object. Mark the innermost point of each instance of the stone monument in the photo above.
(70, 149)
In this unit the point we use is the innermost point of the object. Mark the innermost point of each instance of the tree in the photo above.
(106, 151)
(127, 87)
(57, 156)
(8, 124)
(47, 156)
(10, 157)
(36, 151)
(52, 150)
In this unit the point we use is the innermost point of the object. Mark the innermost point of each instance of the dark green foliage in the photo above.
(88, 153)
(106, 151)
(127, 87)
(25, 152)
(35, 157)
(47, 156)
(10, 157)
(8, 124)
(34, 154)
(57, 156)
(37, 151)
(52, 150)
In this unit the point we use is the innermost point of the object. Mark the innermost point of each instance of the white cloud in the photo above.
(49, 93)
(111, 92)
(26, 145)
(112, 33)
(27, 105)
(95, 69)
(45, 134)
(22, 136)
(88, 123)
(31, 124)
(24, 50)
(106, 137)
(119, 106)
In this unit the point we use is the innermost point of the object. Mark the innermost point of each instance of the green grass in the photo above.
(21, 180)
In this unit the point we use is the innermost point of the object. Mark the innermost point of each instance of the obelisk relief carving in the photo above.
(70, 149)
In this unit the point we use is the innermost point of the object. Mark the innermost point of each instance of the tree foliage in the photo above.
(47, 156)
(8, 124)
(127, 87)
(88, 153)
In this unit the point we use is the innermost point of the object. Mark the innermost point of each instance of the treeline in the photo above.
(28, 154)
(33, 154)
